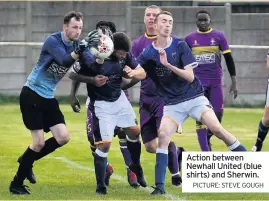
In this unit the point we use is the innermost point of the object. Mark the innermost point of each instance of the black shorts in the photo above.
(39, 113)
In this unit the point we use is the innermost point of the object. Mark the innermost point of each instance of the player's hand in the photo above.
(130, 73)
(100, 80)
(75, 104)
(233, 90)
(81, 47)
(93, 38)
(163, 57)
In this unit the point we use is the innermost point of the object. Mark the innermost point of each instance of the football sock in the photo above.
(26, 162)
(160, 167)
(202, 134)
(237, 146)
(50, 146)
(100, 164)
(134, 147)
(125, 152)
(173, 159)
(262, 132)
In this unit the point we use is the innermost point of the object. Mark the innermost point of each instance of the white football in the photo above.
(105, 47)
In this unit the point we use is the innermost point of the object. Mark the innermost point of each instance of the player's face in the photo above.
(164, 25)
(73, 29)
(203, 22)
(150, 15)
(120, 54)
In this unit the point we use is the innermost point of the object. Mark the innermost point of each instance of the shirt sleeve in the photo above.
(186, 39)
(76, 67)
(224, 46)
(131, 61)
(134, 50)
(186, 57)
(87, 59)
(57, 51)
(142, 60)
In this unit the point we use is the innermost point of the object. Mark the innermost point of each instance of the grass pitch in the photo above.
(68, 173)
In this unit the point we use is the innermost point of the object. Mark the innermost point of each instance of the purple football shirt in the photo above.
(207, 48)
(148, 87)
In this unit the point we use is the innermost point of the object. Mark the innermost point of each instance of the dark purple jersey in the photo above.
(148, 87)
(207, 48)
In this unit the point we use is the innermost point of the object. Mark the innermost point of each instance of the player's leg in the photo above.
(263, 125)
(31, 108)
(127, 120)
(173, 118)
(217, 101)
(174, 157)
(90, 128)
(53, 120)
(104, 125)
(263, 129)
(201, 129)
(201, 110)
(132, 179)
(26, 163)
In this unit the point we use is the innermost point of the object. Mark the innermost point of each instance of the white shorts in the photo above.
(111, 114)
(194, 108)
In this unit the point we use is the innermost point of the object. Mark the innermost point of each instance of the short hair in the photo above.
(202, 12)
(154, 7)
(122, 42)
(162, 13)
(68, 16)
(106, 24)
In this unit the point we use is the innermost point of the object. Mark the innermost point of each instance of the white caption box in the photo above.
(225, 172)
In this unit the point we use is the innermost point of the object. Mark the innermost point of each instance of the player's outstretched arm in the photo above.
(186, 73)
(137, 73)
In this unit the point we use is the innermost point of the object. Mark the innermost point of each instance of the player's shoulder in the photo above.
(137, 40)
(54, 36)
(191, 34)
(148, 50)
(218, 32)
(178, 42)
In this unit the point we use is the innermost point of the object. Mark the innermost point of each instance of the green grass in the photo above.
(60, 180)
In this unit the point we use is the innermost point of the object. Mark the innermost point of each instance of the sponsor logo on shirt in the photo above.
(207, 58)
(57, 70)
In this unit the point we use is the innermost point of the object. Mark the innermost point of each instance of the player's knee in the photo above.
(265, 119)
(132, 132)
(151, 146)
(265, 122)
(63, 138)
(164, 137)
(104, 147)
(217, 130)
(38, 145)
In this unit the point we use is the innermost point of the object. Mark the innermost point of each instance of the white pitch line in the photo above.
(115, 176)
